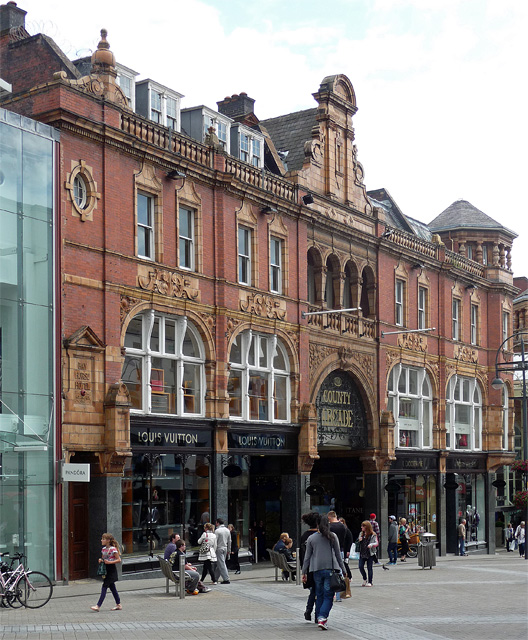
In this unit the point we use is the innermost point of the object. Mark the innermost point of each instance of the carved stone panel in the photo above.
(466, 354)
(263, 305)
(168, 283)
(413, 342)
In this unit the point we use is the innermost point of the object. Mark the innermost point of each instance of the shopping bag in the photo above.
(101, 570)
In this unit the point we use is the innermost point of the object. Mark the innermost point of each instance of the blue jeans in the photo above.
(461, 546)
(324, 596)
(392, 550)
(369, 562)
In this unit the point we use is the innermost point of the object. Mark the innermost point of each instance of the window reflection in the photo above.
(163, 494)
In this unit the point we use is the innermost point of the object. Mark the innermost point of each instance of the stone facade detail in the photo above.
(262, 305)
(413, 342)
(168, 283)
(318, 352)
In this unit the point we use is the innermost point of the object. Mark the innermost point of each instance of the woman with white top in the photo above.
(207, 553)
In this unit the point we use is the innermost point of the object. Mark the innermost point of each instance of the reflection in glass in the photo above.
(162, 495)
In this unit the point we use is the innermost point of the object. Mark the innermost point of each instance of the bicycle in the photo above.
(412, 544)
(8, 580)
(32, 589)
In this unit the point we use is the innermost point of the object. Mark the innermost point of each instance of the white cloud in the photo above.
(439, 83)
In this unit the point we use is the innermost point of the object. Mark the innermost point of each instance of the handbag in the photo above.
(205, 547)
(337, 582)
(101, 570)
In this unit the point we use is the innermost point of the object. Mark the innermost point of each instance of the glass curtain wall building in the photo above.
(27, 362)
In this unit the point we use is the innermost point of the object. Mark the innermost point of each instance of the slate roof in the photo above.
(420, 228)
(463, 215)
(289, 133)
(394, 216)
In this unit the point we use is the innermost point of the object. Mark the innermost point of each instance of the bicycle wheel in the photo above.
(14, 598)
(34, 590)
(413, 551)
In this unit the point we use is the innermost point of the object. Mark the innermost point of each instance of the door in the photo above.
(78, 533)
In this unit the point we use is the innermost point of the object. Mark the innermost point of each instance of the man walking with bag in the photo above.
(223, 549)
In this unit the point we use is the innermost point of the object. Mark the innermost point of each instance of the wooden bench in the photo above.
(278, 560)
(170, 575)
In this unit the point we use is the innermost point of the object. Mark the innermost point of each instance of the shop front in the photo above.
(466, 497)
(260, 476)
(412, 491)
(166, 486)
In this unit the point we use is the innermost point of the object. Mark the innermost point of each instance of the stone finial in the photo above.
(212, 140)
(102, 58)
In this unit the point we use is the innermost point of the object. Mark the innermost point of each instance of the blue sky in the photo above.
(440, 84)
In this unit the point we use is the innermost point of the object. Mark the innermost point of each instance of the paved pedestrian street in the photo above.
(478, 597)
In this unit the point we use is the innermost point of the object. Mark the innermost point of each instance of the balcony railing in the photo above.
(261, 179)
(344, 324)
(409, 241)
(166, 139)
(465, 263)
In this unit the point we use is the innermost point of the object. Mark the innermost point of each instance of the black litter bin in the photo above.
(427, 551)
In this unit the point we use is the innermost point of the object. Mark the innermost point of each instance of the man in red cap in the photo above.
(376, 529)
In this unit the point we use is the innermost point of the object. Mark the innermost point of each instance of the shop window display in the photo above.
(470, 504)
(416, 500)
(163, 493)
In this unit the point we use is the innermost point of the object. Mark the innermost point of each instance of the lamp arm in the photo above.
(513, 335)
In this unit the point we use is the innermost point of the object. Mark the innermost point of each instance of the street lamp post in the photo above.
(515, 366)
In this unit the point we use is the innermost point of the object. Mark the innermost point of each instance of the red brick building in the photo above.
(192, 243)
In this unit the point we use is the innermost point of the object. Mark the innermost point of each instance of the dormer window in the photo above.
(126, 79)
(155, 106)
(255, 152)
(221, 132)
(196, 122)
(244, 147)
(247, 144)
(158, 103)
(172, 114)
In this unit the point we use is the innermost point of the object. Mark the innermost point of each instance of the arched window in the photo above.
(463, 414)
(505, 417)
(164, 365)
(259, 378)
(411, 402)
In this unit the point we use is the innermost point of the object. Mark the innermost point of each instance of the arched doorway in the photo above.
(337, 477)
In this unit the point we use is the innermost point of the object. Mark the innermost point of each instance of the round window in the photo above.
(80, 191)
